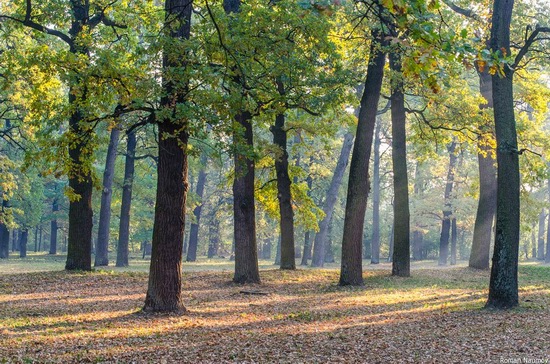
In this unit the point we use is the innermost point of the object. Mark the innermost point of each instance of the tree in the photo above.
(375, 243)
(102, 245)
(448, 208)
(351, 272)
(194, 231)
(540, 247)
(124, 227)
(164, 287)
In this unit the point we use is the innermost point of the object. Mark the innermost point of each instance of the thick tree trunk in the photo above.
(503, 287)
(23, 240)
(448, 208)
(401, 221)
(244, 209)
(102, 245)
(126, 204)
(540, 240)
(351, 272)
(454, 238)
(375, 243)
(194, 231)
(483, 228)
(319, 249)
(164, 288)
(283, 194)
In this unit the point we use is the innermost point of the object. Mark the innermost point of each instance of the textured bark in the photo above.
(454, 238)
(164, 288)
(102, 244)
(483, 228)
(503, 286)
(23, 240)
(194, 231)
(319, 249)
(244, 209)
(375, 243)
(448, 208)
(351, 272)
(540, 240)
(126, 204)
(401, 221)
(283, 194)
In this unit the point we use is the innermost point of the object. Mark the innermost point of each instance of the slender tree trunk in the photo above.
(164, 288)
(319, 249)
(454, 237)
(4, 238)
(306, 255)
(284, 194)
(23, 240)
(102, 245)
(448, 209)
(503, 287)
(417, 237)
(351, 272)
(194, 231)
(266, 251)
(15, 240)
(40, 235)
(547, 257)
(483, 228)
(35, 239)
(391, 244)
(126, 204)
(375, 243)
(278, 252)
(401, 222)
(540, 249)
(213, 237)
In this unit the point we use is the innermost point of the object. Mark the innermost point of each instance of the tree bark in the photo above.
(540, 240)
(486, 208)
(448, 208)
(375, 243)
(23, 240)
(288, 260)
(547, 257)
(194, 231)
(126, 204)
(4, 234)
(503, 286)
(319, 249)
(351, 272)
(401, 221)
(102, 245)
(164, 288)
(454, 237)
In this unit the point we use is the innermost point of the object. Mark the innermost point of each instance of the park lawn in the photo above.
(299, 317)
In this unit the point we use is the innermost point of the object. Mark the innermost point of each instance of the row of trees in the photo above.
(212, 74)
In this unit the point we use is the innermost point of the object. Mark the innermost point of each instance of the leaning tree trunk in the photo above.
(23, 240)
(483, 228)
(164, 288)
(283, 194)
(375, 244)
(351, 272)
(401, 221)
(319, 249)
(102, 244)
(126, 204)
(503, 286)
(194, 231)
(448, 208)
(540, 240)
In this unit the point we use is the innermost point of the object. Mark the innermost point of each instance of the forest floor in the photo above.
(302, 316)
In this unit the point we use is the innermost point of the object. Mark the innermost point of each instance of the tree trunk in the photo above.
(319, 249)
(283, 194)
(540, 248)
(547, 257)
(417, 237)
(503, 287)
(391, 244)
(401, 221)
(448, 208)
(194, 231)
(483, 228)
(375, 243)
(4, 238)
(36, 239)
(15, 240)
(454, 238)
(164, 288)
(102, 245)
(306, 255)
(213, 237)
(126, 204)
(23, 240)
(351, 272)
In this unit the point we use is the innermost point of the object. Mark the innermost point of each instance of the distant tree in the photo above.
(448, 207)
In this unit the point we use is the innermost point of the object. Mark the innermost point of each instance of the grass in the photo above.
(435, 316)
